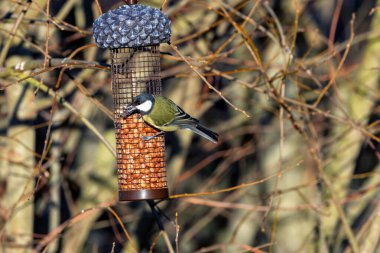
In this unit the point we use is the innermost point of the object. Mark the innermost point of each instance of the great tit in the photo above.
(163, 114)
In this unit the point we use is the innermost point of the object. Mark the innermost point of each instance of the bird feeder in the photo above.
(133, 34)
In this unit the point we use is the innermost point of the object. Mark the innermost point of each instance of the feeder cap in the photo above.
(131, 26)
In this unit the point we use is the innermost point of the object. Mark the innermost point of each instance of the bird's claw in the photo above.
(146, 138)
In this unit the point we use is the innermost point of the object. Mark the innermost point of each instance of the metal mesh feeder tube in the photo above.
(133, 34)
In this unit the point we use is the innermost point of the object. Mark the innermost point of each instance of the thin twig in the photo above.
(68, 106)
(124, 229)
(332, 80)
(244, 185)
(7, 45)
(193, 68)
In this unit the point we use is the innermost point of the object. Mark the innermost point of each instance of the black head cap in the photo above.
(138, 100)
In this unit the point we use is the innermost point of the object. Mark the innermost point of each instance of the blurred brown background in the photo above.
(300, 174)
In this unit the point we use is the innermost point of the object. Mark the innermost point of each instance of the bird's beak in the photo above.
(129, 110)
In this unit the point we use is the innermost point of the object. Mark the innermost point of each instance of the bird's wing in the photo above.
(182, 119)
(167, 113)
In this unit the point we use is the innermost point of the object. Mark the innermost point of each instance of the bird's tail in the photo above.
(205, 133)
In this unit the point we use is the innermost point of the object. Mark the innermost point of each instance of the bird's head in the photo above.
(143, 104)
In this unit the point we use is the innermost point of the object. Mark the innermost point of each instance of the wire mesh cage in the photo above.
(140, 163)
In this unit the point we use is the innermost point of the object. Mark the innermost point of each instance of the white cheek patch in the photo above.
(145, 107)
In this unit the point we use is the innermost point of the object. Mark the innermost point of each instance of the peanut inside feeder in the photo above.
(133, 33)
